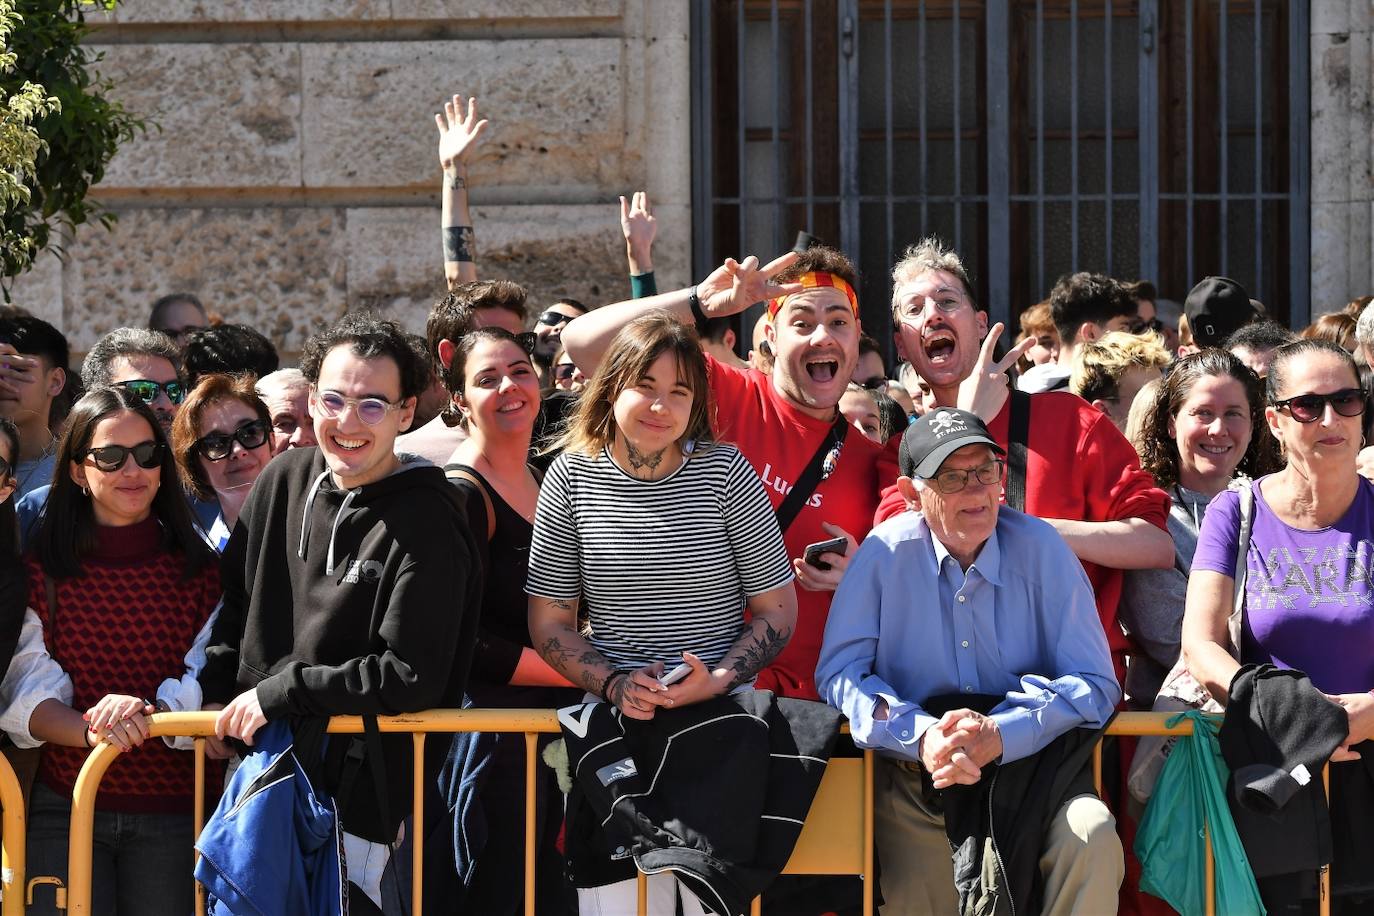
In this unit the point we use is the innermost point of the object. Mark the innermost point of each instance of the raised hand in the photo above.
(985, 390)
(637, 222)
(458, 132)
(735, 285)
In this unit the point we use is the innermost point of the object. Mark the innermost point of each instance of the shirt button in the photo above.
(906, 734)
(965, 644)
(968, 689)
(962, 599)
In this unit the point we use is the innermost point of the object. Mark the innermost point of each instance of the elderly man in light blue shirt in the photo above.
(966, 597)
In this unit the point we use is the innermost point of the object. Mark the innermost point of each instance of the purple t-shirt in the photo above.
(1309, 603)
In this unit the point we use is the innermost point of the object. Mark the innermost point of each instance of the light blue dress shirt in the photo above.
(908, 624)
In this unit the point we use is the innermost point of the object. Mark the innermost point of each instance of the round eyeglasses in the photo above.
(956, 479)
(370, 410)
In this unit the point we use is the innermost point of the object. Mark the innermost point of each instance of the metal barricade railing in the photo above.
(13, 835)
(530, 722)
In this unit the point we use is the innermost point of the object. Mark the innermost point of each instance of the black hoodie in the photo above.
(349, 602)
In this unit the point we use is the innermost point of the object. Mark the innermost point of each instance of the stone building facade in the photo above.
(293, 175)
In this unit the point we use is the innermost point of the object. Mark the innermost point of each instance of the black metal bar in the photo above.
(1188, 131)
(848, 13)
(779, 233)
(1299, 168)
(958, 100)
(703, 226)
(810, 152)
(1147, 153)
(921, 114)
(1040, 284)
(1259, 153)
(997, 267)
(1223, 129)
(740, 144)
(1073, 133)
(1107, 127)
(887, 111)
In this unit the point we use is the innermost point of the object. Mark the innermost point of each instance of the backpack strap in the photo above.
(1018, 431)
(821, 465)
(1246, 493)
(454, 472)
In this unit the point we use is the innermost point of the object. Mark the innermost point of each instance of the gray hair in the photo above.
(289, 379)
(1364, 328)
(930, 253)
(95, 371)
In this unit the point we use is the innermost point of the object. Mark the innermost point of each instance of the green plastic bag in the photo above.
(1171, 842)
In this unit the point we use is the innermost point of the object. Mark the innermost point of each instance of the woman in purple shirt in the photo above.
(1308, 580)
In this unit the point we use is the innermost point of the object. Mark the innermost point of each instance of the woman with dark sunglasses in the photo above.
(1308, 600)
(120, 588)
(222, 440)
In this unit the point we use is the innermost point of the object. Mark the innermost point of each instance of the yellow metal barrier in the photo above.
(827, 841)
(13, 826)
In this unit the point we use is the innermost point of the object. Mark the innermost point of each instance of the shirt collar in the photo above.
(988, 563)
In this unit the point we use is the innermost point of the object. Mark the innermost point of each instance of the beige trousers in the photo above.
(1081, 862)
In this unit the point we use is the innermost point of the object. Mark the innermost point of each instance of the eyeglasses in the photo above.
(147, 390)
(1309, 408)
(947, 301)
(370, 410)
(250, 434)
(564, 371)
(110, 458)
(955, 479)
(552, 318)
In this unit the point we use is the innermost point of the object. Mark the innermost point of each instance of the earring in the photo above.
(83, 492)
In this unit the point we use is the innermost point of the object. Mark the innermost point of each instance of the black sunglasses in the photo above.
(564, 371)
(552, 318)
(877, 383)
(250, 434)
(147, 390)
(110, 458)
(1308, 408)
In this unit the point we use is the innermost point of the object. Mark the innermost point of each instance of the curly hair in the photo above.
(1158, 450)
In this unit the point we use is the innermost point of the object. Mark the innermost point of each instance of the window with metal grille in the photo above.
(1159, 139)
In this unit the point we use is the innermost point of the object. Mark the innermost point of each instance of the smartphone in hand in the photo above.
(677, 674)
(812, 554)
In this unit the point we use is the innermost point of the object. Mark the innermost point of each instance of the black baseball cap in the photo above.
(935, 436)
(1217, 308)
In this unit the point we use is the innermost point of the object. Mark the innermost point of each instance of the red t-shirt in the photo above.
(1078, 466)
(779, 441)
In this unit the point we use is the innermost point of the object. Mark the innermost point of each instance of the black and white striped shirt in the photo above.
(666, 565)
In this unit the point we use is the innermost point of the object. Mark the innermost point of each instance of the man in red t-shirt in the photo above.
(781, 420)
(1082, 476)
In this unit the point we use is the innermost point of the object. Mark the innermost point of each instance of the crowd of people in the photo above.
(629, 513)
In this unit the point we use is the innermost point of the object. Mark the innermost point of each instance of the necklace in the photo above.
(47, 453)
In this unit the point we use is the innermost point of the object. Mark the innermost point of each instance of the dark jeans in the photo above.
(141, 863)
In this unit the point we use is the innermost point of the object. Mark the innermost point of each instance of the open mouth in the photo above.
(822, 370)
(939, 347)
(348, 445)
(511, 407)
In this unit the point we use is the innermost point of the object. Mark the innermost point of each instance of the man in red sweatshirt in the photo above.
(1081, 475)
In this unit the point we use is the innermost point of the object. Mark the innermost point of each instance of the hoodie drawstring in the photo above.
(334, 530)
(305, 516)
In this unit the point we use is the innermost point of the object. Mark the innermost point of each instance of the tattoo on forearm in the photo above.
(459, 243)
(640, 460)
(755, 651)
(616, 695)
(456, 182)
(555, 653)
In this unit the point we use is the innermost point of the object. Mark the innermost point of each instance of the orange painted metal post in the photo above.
(1210, 871)
(199, 818)
(1324, 876)
(13, 850)
(531, 762)
(642, 892)
(417, 859)
(82, 835)
(870, 760)
(1097, 767)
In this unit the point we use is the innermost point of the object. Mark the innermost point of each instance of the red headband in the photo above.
(813, 280)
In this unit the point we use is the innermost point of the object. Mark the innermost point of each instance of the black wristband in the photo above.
(698, 316)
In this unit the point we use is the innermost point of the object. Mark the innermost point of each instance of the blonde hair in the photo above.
(1098, 366)
(930, 253)
(631, 354)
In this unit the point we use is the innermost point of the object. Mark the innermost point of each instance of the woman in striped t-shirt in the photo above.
(666, 535)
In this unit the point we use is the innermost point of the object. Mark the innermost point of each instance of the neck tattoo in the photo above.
(640, 460)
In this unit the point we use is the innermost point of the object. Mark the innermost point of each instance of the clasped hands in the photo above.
(955, 749)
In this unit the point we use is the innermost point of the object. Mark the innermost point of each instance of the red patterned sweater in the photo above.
(123, 627)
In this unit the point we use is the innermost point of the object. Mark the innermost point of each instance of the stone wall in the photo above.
(293, 174)
(1342, 44)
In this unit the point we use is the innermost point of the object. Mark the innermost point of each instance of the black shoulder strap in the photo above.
(1018, 429)
(814, 473)
(50, 592)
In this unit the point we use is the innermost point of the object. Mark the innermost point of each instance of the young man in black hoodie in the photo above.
(350, 584)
